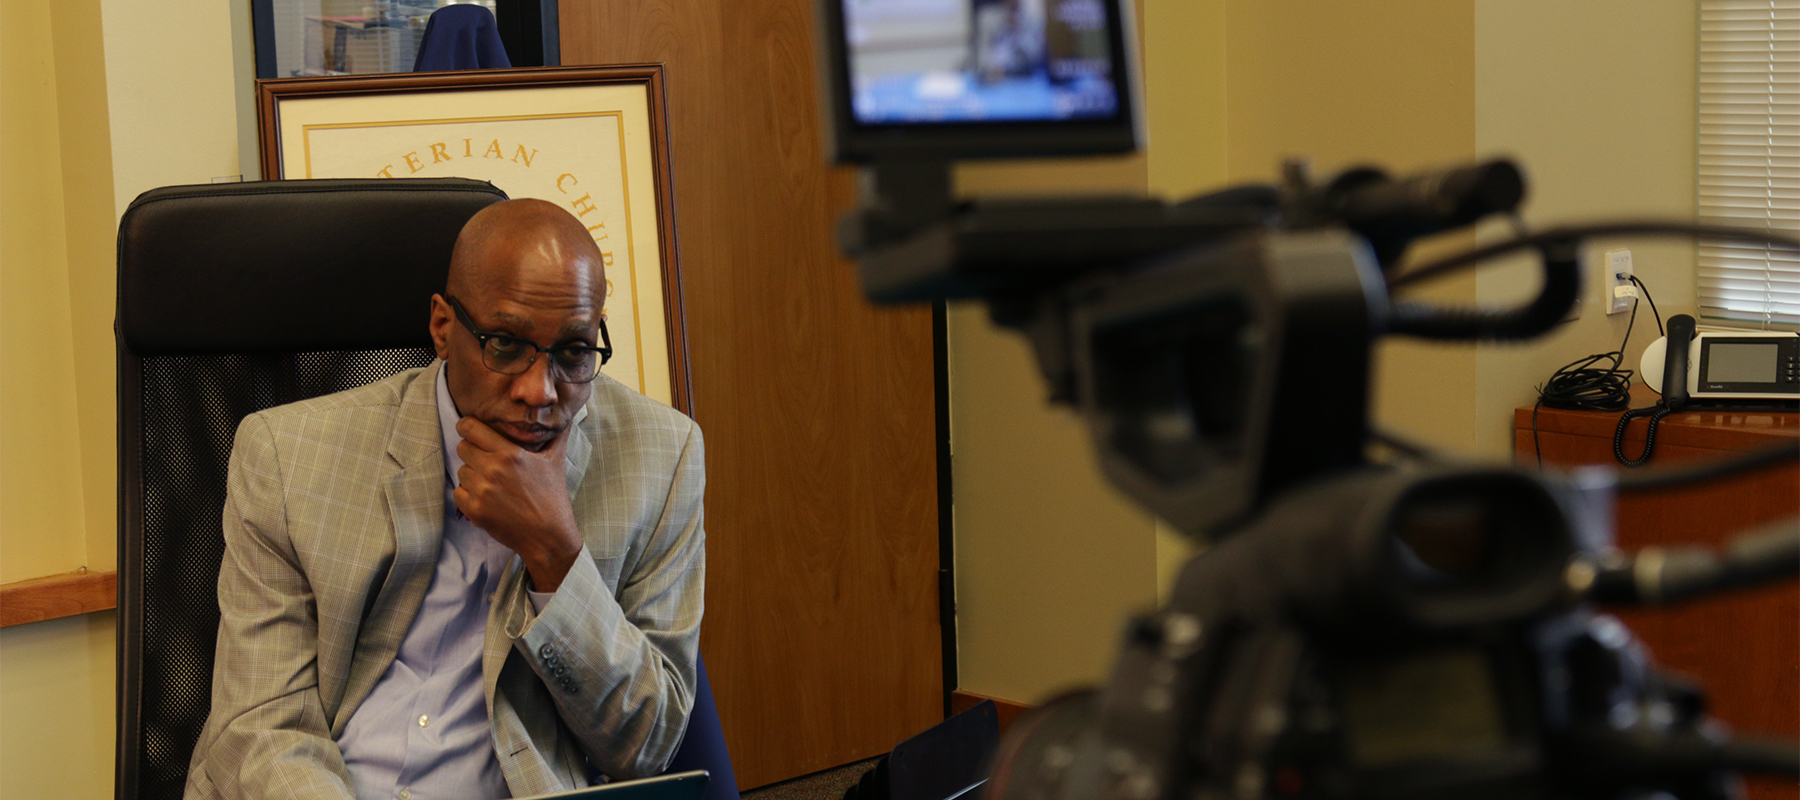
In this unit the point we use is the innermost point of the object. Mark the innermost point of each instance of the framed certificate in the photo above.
(590, 139)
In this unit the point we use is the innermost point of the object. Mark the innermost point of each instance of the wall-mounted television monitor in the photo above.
(943, 79)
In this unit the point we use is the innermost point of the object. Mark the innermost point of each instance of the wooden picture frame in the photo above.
(581, 137)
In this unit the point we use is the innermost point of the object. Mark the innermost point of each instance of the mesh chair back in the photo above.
(232, 299)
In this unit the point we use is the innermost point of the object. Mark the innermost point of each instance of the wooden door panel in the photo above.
(821, 633)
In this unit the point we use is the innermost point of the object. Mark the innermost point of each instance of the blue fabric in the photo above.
(703, 745)
(460, 37)
(424, 727)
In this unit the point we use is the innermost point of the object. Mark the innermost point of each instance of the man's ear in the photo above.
(443, 318)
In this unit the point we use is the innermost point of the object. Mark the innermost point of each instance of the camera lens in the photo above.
(1035, 756)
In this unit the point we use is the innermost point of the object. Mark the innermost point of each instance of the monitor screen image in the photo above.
(963, 61)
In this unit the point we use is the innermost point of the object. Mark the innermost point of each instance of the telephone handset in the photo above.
(1675, 361)
(1675, 366)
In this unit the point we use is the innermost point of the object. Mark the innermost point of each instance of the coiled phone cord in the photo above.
(1655, 412)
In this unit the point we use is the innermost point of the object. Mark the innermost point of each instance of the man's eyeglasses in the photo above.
(511, 355)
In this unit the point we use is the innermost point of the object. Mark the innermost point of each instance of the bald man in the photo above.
(477, 579)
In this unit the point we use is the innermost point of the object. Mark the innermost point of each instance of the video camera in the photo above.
(1357, 628)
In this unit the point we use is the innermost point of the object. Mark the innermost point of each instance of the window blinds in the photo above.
(1748, 166)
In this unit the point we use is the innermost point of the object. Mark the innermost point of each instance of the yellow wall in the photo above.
(1389, 84)
(99, 101)
(41, 527)
(1186, 115)
(1049, 559)
(56, 426)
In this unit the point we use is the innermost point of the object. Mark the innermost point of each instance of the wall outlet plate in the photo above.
(1620, 293)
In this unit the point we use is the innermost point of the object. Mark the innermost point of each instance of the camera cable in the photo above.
(1401, 446)
(1660, 575)
(1551, 237)
(1597, 383)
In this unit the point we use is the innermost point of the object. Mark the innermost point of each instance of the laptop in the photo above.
(674, 786)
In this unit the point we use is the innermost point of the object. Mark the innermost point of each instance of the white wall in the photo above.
(1596, 100)
(169, 86)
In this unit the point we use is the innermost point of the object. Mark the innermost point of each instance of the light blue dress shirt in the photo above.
(423, 732)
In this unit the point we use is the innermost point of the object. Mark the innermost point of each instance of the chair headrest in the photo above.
(288, 266)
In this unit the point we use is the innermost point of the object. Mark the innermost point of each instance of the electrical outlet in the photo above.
(1620, 293)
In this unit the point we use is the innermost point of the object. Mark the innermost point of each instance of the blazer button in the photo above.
(546, 653)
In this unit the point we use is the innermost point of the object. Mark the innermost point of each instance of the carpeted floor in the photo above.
(825, 785)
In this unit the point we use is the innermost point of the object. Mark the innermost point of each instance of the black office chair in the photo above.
(234, 298)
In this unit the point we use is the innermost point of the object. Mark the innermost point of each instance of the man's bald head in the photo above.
(525, 279)
(524, 239)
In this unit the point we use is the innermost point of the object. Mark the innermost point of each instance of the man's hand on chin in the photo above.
(520, 498)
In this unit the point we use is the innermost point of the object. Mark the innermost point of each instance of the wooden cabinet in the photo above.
(1744, 647)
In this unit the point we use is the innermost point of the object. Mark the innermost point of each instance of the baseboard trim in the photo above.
(961, 701)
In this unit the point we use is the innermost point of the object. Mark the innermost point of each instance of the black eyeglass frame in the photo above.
(482, 337)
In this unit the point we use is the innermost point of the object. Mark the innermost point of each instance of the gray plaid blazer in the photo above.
(332, 524)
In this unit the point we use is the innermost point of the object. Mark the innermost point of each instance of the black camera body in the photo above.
(1385, 634)
(1357, 628)
(1195, 374)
